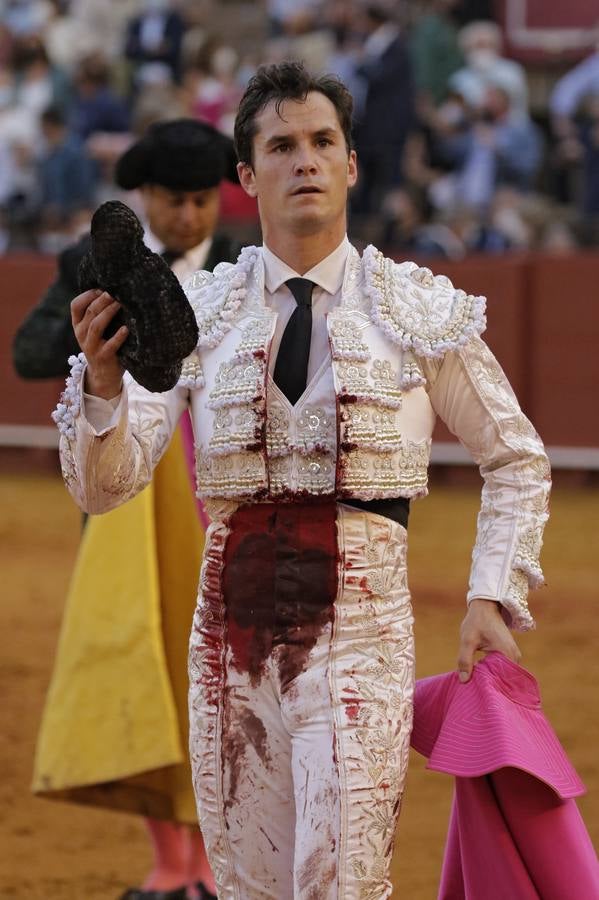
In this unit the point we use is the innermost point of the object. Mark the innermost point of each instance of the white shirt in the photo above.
(327, 275)
(189, 262)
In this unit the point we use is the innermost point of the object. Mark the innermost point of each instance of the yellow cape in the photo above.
(115, 726)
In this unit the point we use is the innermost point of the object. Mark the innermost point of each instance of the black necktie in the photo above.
(291, 368)
(170, 257)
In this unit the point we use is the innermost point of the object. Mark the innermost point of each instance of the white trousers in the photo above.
(301, 705)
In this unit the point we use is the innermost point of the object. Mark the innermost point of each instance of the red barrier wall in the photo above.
(565, 364)
(543, 326)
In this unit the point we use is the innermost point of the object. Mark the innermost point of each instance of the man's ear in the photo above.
(352, 169)
(247, 179)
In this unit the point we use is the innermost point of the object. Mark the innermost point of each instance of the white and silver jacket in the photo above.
(405, 347)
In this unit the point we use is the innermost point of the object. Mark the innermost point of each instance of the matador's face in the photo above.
(301, 169)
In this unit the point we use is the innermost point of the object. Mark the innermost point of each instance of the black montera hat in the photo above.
(162, 325)
(181, 154)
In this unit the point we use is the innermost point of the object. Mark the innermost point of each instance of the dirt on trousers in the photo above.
(62, 851)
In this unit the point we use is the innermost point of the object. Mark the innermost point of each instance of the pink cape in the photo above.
(515, 832)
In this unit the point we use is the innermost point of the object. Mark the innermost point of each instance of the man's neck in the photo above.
(303, 252)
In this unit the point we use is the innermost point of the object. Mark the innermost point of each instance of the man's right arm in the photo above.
(109, 456)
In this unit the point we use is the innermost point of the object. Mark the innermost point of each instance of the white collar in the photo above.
(195, 257)
(327, 274)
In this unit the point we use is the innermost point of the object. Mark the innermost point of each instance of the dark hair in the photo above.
(287, 81)
(93, 69)
(377, 14)
(54, 115)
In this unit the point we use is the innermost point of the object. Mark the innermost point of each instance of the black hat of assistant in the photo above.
(180, 154)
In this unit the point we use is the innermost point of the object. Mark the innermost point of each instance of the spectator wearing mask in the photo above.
(480, 43)
(500, 148)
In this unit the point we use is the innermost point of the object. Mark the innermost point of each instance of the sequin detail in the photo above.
(230, 476)
(237, 383)
(400, 473)
(345, 338)
(419, 311)
(192, 375)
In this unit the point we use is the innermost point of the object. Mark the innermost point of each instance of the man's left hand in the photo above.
(484, 629)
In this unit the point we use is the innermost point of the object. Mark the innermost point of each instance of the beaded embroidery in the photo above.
(277, 430)
(217, 300)
(300, 458)
(240, 383)
(417, 310)
(234, 430)
(237, 383)
(386, 389)
(376, 384)
(254, 339)
(232, 476)
(352, 379)
(192, 375)
(401, 473)
(370, 428)
(346, 343)
(311, 474)
(315, 431)
(412, 375)
(69, 405)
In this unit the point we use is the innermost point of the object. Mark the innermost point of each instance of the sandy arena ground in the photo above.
(64, 852)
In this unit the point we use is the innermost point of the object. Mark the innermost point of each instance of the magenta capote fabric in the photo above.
(515, 833)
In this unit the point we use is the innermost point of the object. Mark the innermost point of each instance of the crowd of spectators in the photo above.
(451, 161)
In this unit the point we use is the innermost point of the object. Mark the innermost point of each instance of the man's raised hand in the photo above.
(91, 313)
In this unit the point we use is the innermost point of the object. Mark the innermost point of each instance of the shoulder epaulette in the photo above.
(217, 296)
(420, 311)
